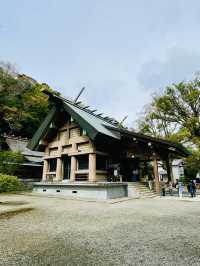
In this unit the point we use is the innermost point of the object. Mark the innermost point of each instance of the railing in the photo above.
(50, 178)
(81, 178)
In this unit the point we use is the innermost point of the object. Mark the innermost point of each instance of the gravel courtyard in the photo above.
(71, 232)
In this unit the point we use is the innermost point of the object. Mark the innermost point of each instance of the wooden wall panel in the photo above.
(84, 146)
(53, 151)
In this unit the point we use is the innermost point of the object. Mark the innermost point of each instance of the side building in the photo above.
(32, 166)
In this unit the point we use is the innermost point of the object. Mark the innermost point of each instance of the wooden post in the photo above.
(73, 168)
(169, 169)
(59, 176)
(92, 167)
(156, 175)
(45, 170)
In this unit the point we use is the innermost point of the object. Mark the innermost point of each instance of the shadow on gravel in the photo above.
(11, 213)
(13, 203)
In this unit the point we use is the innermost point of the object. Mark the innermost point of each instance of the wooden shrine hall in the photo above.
(85, 150)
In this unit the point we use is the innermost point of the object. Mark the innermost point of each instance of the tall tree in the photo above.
(176, 111)
(175, 115)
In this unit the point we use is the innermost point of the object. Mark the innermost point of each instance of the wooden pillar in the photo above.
(59, 176)
(169, 169)
(73, 168)
(92, 167)
(45, 170)
(156, 175)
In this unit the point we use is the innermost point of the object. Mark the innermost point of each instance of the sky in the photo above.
(121, 51)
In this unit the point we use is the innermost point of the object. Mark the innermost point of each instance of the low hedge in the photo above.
(9, 183)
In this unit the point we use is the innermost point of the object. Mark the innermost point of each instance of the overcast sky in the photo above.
(121, 51)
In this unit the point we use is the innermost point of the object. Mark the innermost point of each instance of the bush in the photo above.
(10, 183)
(10, 162)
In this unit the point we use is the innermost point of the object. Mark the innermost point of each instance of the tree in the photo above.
(177, 112)
(22, 105)
(192, 165)
(175, 115)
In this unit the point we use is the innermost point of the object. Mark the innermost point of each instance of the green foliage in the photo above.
(10, 162)
(10, 183)
(175, 114)
(22, 105)
(192, 165)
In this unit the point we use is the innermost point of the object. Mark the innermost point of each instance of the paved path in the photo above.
(71, 232)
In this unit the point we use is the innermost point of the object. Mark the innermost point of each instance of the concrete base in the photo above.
(99, 191)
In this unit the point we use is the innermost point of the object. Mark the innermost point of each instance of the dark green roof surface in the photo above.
(90, 121)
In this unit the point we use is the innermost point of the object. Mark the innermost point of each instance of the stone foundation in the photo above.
(98, 191)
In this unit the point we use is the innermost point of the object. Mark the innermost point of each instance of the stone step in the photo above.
(141, 190)
(149, 196)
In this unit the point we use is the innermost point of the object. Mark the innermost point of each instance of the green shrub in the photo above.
(10, 162)
(10, 183)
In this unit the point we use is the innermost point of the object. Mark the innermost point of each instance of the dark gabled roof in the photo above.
(95, 124)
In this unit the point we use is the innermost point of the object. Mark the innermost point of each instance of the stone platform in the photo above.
(98, 191)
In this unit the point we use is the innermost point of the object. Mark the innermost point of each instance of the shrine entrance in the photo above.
(130, 170)
(67, 167)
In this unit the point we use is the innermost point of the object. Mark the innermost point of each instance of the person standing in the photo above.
(150, 182)
(190, 189)
(170, 186)
(176, 184)
(180, 189)
(163, 187)
(194, 188)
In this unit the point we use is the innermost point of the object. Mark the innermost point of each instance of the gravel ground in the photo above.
(71, 232)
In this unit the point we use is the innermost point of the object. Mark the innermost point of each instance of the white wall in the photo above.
(177, 170)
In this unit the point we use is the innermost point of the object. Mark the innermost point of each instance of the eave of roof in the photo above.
(40, 133)
(178, 148)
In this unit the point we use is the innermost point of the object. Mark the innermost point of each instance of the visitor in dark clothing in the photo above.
(163, 188)
(192, 188)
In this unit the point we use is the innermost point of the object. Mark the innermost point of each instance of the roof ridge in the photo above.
(107, 119)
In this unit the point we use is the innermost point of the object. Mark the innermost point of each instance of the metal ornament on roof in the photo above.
(81, 106)
(79, 94)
